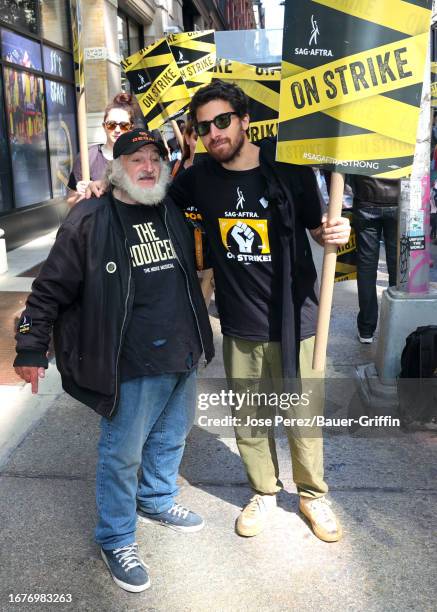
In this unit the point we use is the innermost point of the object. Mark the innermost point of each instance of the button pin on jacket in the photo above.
(111, 267)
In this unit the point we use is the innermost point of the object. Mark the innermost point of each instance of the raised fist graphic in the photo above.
(243, 236)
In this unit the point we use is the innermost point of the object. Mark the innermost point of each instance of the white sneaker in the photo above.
(365, 340)
(253, 517)
(323, 520)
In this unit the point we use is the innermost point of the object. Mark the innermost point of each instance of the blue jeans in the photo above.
(371, 223)
(147, 433)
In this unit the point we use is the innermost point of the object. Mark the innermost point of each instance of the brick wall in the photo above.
(240, 15)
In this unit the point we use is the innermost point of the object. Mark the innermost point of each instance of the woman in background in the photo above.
(119, 117)
(190, 140)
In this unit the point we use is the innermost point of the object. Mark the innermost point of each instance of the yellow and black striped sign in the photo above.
(157, 83)
(346, 266)
(261, 85)
(76, 26)
(195, 55)
(434, 84)
(352, 76)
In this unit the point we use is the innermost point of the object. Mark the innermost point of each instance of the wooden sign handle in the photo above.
(328, 276)
(178, 134)
(83, 138)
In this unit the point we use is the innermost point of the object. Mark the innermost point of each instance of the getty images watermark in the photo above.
(249, 403)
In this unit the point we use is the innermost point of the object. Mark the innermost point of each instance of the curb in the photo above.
(21, 411)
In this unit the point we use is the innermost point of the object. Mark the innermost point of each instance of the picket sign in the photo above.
(352, 76)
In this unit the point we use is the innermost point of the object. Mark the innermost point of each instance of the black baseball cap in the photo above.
(131, 141)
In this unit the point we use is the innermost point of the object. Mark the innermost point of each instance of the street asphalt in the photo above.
(382, 486)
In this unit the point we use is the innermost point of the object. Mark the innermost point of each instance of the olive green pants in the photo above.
(256, 367)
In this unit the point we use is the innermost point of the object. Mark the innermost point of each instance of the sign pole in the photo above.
(328, 276)
(83, 137)
(178, 134)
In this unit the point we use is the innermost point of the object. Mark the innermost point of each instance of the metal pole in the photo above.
(414, 208)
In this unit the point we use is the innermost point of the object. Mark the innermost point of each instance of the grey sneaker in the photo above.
(177, 517)
(127, 568)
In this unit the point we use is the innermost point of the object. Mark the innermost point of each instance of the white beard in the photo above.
(149, 196)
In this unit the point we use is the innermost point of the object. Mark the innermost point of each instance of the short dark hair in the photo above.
(220, 90)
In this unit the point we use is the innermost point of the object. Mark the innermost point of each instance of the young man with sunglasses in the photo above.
(255, 213)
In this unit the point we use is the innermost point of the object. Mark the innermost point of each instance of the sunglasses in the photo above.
(221, 122)
(124, 126)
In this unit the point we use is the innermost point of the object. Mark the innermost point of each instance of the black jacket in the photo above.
(293, 188)
(369, 191)
(85, 292)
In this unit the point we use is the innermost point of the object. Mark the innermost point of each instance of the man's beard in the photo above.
(149, 196)
(228, 156)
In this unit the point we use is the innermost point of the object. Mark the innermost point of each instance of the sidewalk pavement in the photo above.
(383, 488)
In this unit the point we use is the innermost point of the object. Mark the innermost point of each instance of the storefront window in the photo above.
(134, 37)
(55, 23)
(58, 63)
(19, 50)
(123, 41)
(38, 138)
(25, 115)
(62, 133)
(5, 176)
(130, 40)
(20, 13)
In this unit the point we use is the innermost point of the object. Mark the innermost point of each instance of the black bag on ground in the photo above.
(417, 384)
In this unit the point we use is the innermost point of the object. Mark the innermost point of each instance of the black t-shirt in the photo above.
(244, 250)
(241, 227)
(162, 334)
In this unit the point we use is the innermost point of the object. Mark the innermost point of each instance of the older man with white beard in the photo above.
(120, 290)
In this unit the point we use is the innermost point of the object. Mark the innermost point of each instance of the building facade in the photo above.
(38, 134)
(240, 15)
(38, 124)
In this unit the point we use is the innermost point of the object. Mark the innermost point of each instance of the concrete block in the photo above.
(379, 398)
(401, 314)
